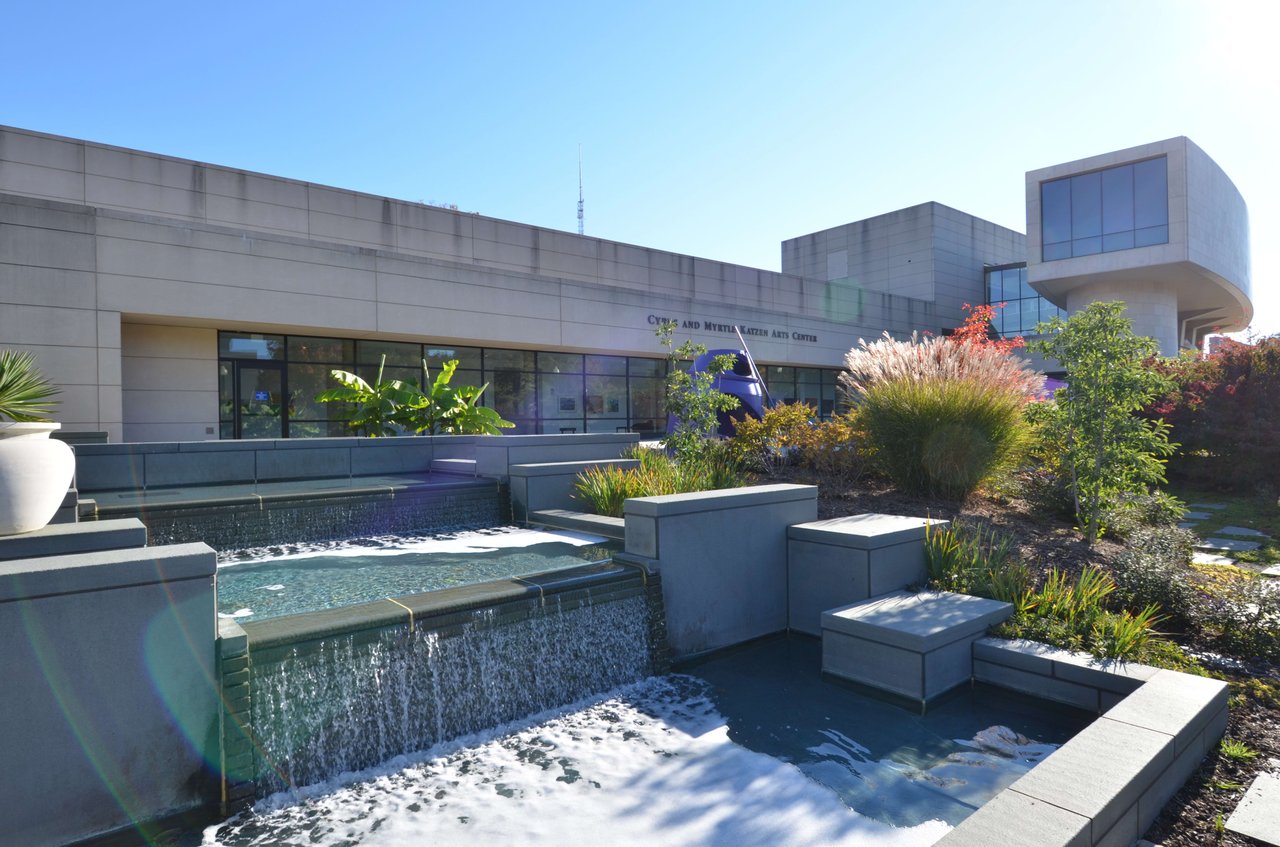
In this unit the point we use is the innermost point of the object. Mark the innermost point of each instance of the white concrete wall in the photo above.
(170, 382)
(928, 252)
(94, 237)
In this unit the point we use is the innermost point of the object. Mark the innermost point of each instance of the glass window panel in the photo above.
(607, 425)
(606, 397)
(305, 382)
(461, 377)
(1086, 246)
(1151, 235)
(335, 351)
(1056, 251)
(437, 355)
(560, 395)
(1117, 241)
(1024, 288)
(1086, 206)
(645, 397)
(646, 367)
(515, 360)
(227, 430)
(369, 373)
(1030, 314)
(399, 353)
(1012, 317)
(512, 394)
(994, 294)
(1055, 211)
(226, 391)
(245, 345)
(609, 365)
(523, 426)
(1150, 194)
(1117, 199)
(564, 363)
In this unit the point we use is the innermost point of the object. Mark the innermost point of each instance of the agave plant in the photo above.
(25, 395)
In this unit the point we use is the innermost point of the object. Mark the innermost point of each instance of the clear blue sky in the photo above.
(712, 128)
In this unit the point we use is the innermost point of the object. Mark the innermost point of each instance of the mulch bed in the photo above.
(1193, 817)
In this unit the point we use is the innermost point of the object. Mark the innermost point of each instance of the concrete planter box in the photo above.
(1108, 784)
(840, 561)
(912, 645)
(549, 485)
(723, 559)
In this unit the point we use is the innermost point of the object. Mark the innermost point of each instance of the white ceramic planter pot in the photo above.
(35, 473)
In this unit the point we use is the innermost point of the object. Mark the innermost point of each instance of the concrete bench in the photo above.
(913, 645)
(840, 561)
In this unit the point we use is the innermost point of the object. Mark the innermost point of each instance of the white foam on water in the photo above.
(477, 541)
(652, 764)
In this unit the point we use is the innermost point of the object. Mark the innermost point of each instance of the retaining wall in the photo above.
(723, 559)
(109, 696)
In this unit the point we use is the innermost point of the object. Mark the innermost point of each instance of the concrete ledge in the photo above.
(840, 561)
(23, 579)
(496, 454)
(614, 528)
(1117, 774)
(669, 505)
(455, 466)
(916, 646)
(67, 538)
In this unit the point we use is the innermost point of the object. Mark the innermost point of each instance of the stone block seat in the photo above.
(915, 646)
(838, 561)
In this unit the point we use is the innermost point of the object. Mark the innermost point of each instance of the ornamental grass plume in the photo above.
(937, 358)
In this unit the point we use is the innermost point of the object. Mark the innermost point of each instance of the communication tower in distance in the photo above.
(579, 189)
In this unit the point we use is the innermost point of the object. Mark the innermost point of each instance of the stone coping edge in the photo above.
(262, 501)
(615, 528)
(80, 537)
(380, 614)
(1108, 783)
(28, 579)
(565, 468)
(868, 531)
(712, 501)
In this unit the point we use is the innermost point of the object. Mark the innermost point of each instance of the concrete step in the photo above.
(67, 538)
(454, 466)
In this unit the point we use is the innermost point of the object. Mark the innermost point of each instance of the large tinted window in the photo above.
(1022, 308)
(1114, 209)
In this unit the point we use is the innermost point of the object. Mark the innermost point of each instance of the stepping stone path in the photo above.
(1200, 557)
(1196, 516)
(1243, 531)
(1214, 506)
(1234, 545)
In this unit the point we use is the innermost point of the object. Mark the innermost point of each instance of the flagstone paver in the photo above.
(1243, 531)
(1200, 557)
(1214, 506)
(1196, 516)
(1274, 570)
(1235, 545)
(1258, 815)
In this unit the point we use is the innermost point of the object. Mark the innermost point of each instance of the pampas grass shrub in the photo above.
(941, 415)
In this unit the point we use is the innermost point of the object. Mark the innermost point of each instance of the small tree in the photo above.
(692, 398)
(1103, 449)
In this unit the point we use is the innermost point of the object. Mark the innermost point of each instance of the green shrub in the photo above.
(959, 558)
(942, 436)
(605, 488)
(1242, 618)
(1133, 512)
(1073, 614)
(1091, 433)
(788, 435)
(1154, 567)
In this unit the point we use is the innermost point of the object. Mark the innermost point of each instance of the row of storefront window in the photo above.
(268, 383)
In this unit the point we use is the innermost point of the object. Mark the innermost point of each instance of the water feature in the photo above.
(279, 580)
(750, 747)
(325, 701)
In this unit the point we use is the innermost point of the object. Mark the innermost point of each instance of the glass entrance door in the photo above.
(260, 408)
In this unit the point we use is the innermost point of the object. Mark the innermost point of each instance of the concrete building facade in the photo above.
(177, 300)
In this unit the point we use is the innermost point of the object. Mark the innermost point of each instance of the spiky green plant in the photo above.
(25, 395)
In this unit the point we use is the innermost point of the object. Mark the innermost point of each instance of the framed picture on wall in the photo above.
(568, 404)
(594, 404)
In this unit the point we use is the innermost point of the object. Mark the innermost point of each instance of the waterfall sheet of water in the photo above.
(344, 705)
